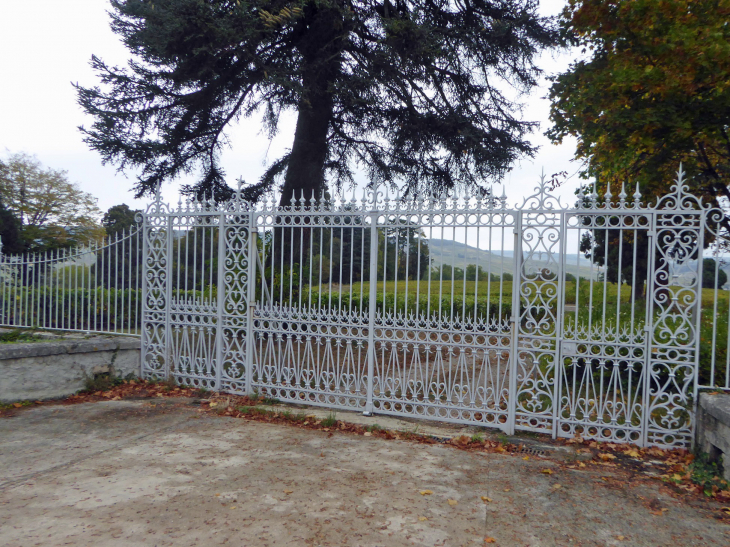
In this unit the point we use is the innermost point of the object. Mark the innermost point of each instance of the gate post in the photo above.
(515, 320)
(251, 299)
(168, 298)
(372, 307)
(143, 304)
(221, 296)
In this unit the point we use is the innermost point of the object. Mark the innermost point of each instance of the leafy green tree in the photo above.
(53, 212)
(10, 238)
(447, 272)
(653, 91)
(413, 90)
(118, 262)
(708, 275)
(120, 218)
(403, 253)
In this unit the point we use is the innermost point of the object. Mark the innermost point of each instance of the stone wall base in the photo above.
(47, 370)
(713, 428)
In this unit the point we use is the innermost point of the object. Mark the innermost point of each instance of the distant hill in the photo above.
(455, 253)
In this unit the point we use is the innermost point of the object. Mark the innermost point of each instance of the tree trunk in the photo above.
(305, 173)
(320, 42)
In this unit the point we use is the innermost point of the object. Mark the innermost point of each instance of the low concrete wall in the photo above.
(713, 428)
(44, 370)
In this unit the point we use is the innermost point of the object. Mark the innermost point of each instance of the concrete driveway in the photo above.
(139, 473)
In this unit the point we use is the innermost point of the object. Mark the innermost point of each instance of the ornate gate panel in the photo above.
(443, 345)
(603, 344)
(196, 294)
(156, 242)
(310, 319)
(537, 307)
(675, 297)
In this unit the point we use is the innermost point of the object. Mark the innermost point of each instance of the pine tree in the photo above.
(413, 91)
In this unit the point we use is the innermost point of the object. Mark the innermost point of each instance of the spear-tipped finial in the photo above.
(622, 195)
(607, 196)
(593, 196)
(637, 197)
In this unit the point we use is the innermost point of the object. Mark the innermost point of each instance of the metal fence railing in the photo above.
(95, 288)
(601, 320)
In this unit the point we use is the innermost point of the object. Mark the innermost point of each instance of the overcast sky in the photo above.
(47, 44)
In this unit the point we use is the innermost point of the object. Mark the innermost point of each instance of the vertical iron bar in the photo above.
(369, 407)
(251, 297)
(515, 320)
(220, 297)
(168, 297)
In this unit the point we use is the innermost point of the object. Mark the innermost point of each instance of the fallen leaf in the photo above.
(506, 489)
(607, 457)
(217, 495)
(288, 491)
(452, 502)
(422, 519)
(581, 464)
(547, 471)
(233, 506)
(490, 540)
(486, 499)
(632, 453)
(556, 486)
(426, 492)
(620, 538)
(526, 458)
(368, 434)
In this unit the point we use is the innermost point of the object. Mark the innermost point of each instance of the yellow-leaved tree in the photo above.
(53, 212)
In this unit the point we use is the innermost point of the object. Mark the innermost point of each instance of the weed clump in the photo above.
(707, 475)
(330, 420)
(18, 335)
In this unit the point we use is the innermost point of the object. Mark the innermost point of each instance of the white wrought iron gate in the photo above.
(580, 321)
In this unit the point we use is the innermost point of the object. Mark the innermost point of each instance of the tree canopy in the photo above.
(653, 91)
(10, 238)
(119, 219)
(52, 212)
(412, 91)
